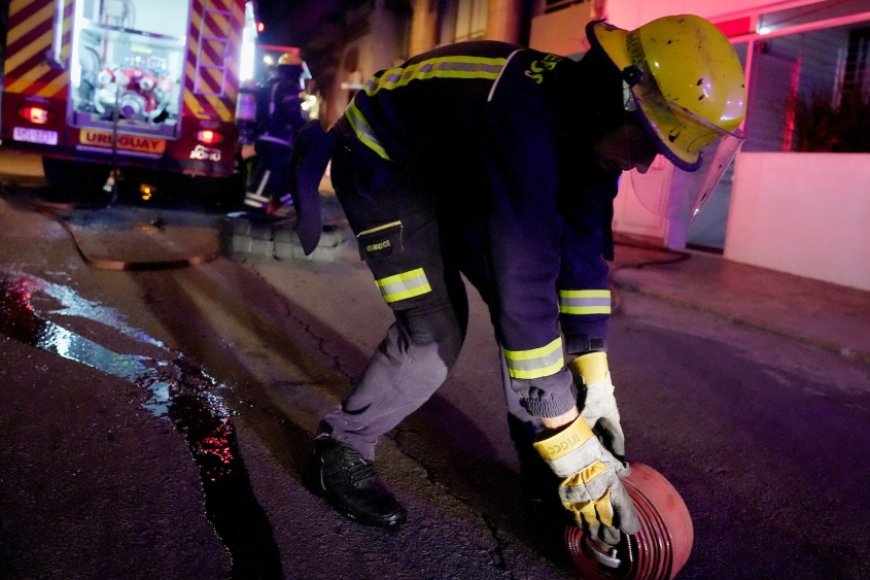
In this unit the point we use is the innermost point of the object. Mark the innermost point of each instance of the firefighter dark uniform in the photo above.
(500, 164)
(279, 118)
(465, 160)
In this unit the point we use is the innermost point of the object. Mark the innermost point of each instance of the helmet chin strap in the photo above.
(639, 145)
(628, 103)
(631, 75)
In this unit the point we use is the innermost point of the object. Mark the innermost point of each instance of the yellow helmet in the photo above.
(290, 58)
(683, 76)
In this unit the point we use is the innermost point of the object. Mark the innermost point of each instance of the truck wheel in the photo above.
(221, 194)
(76, 181)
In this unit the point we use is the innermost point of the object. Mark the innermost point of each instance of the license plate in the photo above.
(31, 135)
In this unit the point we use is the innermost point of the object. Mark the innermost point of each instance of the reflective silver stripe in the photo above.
(535, 363)
(405, 285)
(584, 302)
(363, 130)
(504, 68)
(449, 67)
(379, 228)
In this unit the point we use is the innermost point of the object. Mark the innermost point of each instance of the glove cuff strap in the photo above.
(561, 449)
(591, 367)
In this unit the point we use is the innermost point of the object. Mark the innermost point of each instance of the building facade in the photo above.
(797, 199)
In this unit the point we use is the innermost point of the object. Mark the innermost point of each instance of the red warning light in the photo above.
(34, 114)
(209, 137)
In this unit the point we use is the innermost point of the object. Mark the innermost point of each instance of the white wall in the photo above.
(807, 214)
(803, 213)
(561, 32)
(633, 13)
(631, 217)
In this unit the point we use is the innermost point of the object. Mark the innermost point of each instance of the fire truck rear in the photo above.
(133, 93)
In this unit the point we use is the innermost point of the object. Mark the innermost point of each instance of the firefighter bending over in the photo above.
(500, 163)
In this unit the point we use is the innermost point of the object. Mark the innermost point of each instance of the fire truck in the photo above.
(139, 94)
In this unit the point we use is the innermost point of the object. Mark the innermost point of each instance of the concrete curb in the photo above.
(243, 235)
(749, 322)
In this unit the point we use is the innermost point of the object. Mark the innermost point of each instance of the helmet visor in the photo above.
(686, 192)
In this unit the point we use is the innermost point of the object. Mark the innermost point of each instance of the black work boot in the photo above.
(349, 483)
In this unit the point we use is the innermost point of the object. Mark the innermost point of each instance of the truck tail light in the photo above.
(209, 137)
(34, 114)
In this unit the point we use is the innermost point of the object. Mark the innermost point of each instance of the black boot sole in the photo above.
(311, 480)
(392, 521)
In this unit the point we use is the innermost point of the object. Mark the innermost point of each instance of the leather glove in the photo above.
(591, 488)
(596, 401)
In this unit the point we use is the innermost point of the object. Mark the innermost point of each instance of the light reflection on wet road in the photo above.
(176, 390)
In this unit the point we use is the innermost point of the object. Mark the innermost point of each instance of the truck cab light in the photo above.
(209, 137)
(34, 114)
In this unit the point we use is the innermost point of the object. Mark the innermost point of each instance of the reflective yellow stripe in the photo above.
(405, 285)
(535, 363)
(379, 228)
(363, 130)
(584, 302)
(448, 67)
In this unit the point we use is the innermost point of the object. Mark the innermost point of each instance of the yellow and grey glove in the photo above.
(591, 488)
(596, 400)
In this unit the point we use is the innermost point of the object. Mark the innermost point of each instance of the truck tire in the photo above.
(76, 181)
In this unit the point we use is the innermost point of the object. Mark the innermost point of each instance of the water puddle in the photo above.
(176, 390)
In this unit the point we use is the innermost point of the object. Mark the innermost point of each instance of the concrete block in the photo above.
(235, 244)
(245, 235)
(262, 230)
(332, 236)
(285, 233)
(285, 250)
(236, 223)
(262, 247)
(324, 253)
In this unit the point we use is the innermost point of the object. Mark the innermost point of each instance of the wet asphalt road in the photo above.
(156, 425)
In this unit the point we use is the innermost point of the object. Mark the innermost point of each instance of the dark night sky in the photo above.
(270, 13)
(293, 21)
(265, 10)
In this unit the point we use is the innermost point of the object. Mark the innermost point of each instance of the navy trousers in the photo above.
(396, 221)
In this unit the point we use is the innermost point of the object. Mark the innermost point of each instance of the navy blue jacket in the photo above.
(279, 106)
(496, 132)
